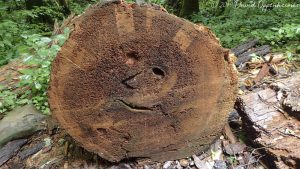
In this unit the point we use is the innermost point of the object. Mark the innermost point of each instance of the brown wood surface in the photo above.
(272, 125)
(135, 81)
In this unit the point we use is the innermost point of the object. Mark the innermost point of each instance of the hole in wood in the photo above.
(133, 55)
(102, 131)
(157, 71)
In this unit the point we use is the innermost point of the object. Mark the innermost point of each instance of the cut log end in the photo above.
(134, 81)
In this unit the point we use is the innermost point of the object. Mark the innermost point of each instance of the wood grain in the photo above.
(135, 81)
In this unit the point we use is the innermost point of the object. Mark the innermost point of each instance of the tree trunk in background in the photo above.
(135, 81)
(30, 4)
(189, 7)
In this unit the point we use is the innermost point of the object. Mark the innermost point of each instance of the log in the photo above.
(31, 150)
(242, 48)
(133, 81)
(270, 126)
(260, 51)
(10, 149)
(291, 90)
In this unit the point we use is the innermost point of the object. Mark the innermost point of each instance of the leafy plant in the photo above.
(42, 51)
(11, 27)
(17, 22)
(278, 27)
(285, 38)
(25, 32)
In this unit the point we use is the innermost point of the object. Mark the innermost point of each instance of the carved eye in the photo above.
(158, 72)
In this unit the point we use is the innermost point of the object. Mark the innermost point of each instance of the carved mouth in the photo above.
(134, 107)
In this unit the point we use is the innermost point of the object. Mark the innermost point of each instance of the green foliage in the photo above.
(278, 27)
(17, 22)
(7, 100)
(232, 160)
(41, 53)
(78, 6)
(12, 26)
(23, 32)
(159, 2)
(285, 38)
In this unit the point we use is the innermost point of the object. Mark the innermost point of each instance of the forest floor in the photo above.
(54, 148)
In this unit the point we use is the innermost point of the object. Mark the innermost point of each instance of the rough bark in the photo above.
(244, 47)
(30, 151)
(134, 81)
(10, 149)
(270, 126)
(260, 51)
(291, 90)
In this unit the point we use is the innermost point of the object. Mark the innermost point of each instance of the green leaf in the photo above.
(26, 71)
(23, 101)
(37, 85)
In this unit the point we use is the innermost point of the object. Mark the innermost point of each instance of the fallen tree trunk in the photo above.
(260, 51)
(10, 149)
(244, 47)
(135, 81)
(270, 118)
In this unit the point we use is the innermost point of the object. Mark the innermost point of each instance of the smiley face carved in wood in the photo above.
(133, 81)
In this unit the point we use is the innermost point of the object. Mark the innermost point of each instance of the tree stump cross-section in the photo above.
(135, 81)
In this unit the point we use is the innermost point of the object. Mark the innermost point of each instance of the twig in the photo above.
(274, 106)
(250, 163)
(271, 68)
(288, 134)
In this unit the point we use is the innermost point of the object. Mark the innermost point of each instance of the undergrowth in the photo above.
(17, 22)
(34, 79)
(27, 33)
(279, 27)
